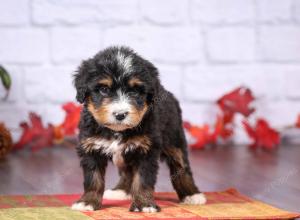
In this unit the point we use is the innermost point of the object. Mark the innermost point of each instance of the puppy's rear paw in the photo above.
(195, 199)
(81, 206)
(117, 194)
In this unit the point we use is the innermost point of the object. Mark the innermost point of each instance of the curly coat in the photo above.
(153, 132)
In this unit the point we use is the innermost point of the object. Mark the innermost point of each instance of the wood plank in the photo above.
(273, 177)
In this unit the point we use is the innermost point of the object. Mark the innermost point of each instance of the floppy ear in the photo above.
(154, 93)
(80, 80)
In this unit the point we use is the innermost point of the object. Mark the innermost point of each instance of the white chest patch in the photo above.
(112, 148)
(107, 146)
(115, 147)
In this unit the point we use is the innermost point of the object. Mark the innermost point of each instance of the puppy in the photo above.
(128, 117)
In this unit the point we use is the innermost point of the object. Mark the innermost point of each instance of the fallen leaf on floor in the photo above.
(262, 134)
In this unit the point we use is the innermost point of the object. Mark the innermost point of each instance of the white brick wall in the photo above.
(24, 45)
(223, 11)
(74, 44)
(177, 45)
(48, 85)
(238, 43)
(202, 48)
(279, 43)
(160, 12)
(14, 12)
(207, 83)
(274, 10)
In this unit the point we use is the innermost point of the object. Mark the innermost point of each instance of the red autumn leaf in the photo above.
(228, 117)
(70, 123)
(237, 101)
(262, 134)
(298, 122)
(58, 134)
(35, 134)
(44, 139)
(201, 136)
(223, 128)
(26, 136)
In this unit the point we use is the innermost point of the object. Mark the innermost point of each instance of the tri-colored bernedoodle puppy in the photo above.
(128, 117)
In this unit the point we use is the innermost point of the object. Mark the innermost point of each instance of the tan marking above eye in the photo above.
(135, 82)
(106, 82)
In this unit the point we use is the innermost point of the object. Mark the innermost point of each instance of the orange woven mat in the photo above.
(229, 204)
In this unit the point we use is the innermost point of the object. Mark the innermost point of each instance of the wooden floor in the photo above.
(273, 177)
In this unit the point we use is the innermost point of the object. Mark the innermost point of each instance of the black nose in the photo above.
(121, 116)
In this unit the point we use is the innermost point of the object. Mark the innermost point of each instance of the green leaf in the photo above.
(5, 79)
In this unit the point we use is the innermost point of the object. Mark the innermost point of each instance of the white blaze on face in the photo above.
(125, 62)
(120, 105)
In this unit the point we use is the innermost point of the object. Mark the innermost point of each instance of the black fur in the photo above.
(162, 124)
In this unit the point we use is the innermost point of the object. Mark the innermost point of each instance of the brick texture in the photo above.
(279, 44)
(83, 12)
(274, 10)
(52, 85)
(26, 46)
(14, 12)
(223, 11)
(168, 13)
(72, 45)
(202, 48)
(231, 44)
(170, 45)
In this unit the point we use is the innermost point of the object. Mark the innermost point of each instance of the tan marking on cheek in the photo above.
(134, 82)
(106, 81)
(137, 115)
(101, 114)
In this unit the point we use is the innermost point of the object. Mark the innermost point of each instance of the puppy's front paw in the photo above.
(89, 201)
(81, 206)
(150, 209)
(147, 209)
(195, 199)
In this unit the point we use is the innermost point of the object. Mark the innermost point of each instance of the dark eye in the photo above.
(137, 89)
(104, 90)
(139, 101)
